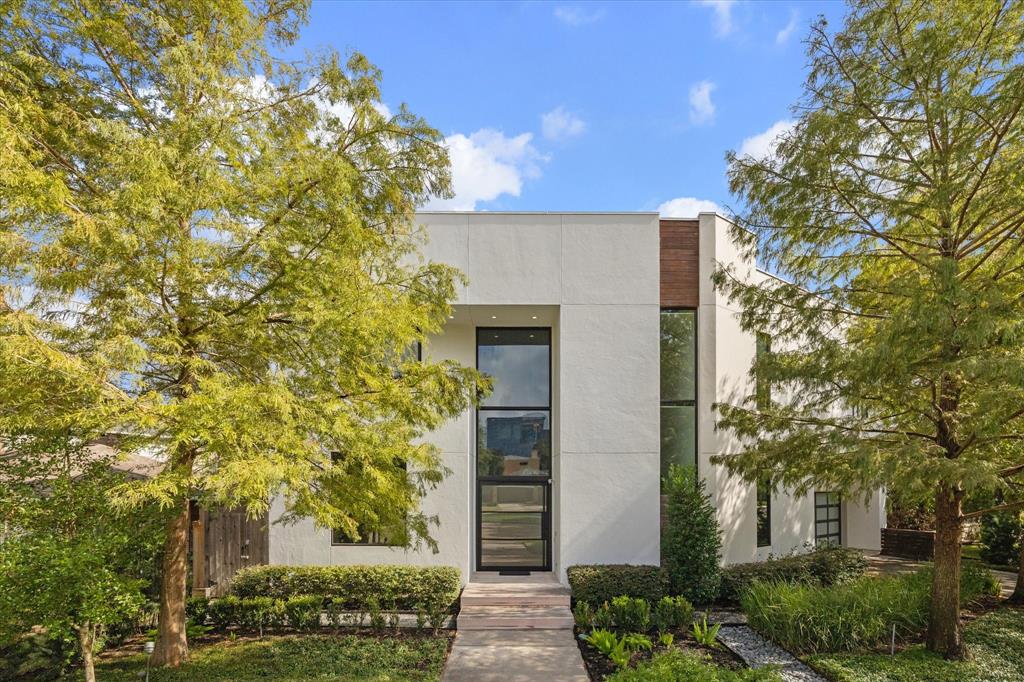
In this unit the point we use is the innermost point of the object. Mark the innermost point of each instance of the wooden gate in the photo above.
(224, 541)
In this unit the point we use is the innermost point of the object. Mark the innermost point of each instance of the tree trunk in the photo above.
(1018, 591)
(172, 642)
(944, 631)
(86, 642)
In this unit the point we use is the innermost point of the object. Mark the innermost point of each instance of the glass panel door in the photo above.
(513, 465)
(513, 525)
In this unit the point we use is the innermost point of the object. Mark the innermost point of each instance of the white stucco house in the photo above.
(608, 346)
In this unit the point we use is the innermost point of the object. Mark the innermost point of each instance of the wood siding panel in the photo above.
(680, 268)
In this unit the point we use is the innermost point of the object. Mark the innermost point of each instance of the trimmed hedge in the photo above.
(600, 583)
(402, 588)
(825, 566)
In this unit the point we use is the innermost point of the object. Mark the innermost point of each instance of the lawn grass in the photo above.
(995, 642)
(295, 658)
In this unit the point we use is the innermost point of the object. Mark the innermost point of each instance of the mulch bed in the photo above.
(600, 667)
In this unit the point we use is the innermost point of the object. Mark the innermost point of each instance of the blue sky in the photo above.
(585, 106)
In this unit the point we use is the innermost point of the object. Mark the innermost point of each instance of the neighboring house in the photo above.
(608, 346)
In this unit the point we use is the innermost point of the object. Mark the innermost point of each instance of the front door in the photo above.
(513, 469)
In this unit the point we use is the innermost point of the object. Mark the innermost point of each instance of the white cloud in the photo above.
(783, 36)
(574, 15)
(687, 207)
(702, 109)
(487, 164)
(763, 144)
(723, 15)
(559, 124)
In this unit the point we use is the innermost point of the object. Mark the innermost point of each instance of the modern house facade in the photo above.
(608, 347)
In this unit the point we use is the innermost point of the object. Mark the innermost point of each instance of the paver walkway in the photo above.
(516, 629)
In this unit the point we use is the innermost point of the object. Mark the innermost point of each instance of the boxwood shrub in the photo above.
(403, 588)
(600, 583)
(824, 566)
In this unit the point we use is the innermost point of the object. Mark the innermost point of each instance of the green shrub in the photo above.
(857, 614)
(690, 540)
(259, 613)
(196, 610)
(1000, 538)
(303, 611)
(583, 615)
(599, 583)
(603, 617)
(407, 587)
(823, 566)
(677, 665)
(672, 612)
(224, 612)
(631, 614)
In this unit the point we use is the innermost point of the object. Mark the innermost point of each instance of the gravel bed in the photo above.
(757, 652)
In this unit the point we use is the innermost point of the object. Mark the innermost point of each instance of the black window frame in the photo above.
(696, 386)
(764, 521)
(823, 539)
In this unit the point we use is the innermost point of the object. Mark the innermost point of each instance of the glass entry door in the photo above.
(513, 469)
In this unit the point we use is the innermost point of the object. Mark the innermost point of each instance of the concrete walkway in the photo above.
(880, 564)
(517, 629)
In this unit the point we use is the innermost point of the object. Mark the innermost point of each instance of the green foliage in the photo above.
(678, 665)
(706, 634)
(995, 642)
(583, 614)
(197, 609)
(634, 641)
(37, 656)
(598, 583)
(1001, 536)
(671, 612)
(259, 613)
(690, 540)
(823, 566)
(69, 562)
(666, 639)
(407, 587)
(417, 658)
(856, 614)
(603, 617)
(373, 609)
(303, 612)
(601, 639)
(213, 249)
(224, 612)
(631, 614)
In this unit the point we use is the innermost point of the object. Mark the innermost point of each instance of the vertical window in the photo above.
(827, 519)
(764, 513)
(678, 388)
(763, 389)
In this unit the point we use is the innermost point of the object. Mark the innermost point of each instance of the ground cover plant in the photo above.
(995, 642)
(291, 658)
(679, 665)
(857, 614)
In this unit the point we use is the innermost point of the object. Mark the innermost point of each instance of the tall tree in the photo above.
(228, 239)
(895, 207)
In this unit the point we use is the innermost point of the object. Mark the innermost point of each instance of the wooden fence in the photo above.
(908, 544)
(224, 541)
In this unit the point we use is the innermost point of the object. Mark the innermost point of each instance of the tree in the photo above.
(226, 240)
(893, 206)
(68, 561)
(691, 543)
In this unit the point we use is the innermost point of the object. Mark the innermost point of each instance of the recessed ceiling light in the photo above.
(535, 317)
(531, 336)
(494, 317)
(451, 317)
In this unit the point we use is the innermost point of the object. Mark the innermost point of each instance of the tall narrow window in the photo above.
(763, 389)
(764, 513)
(678, 388)
(827, 519)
